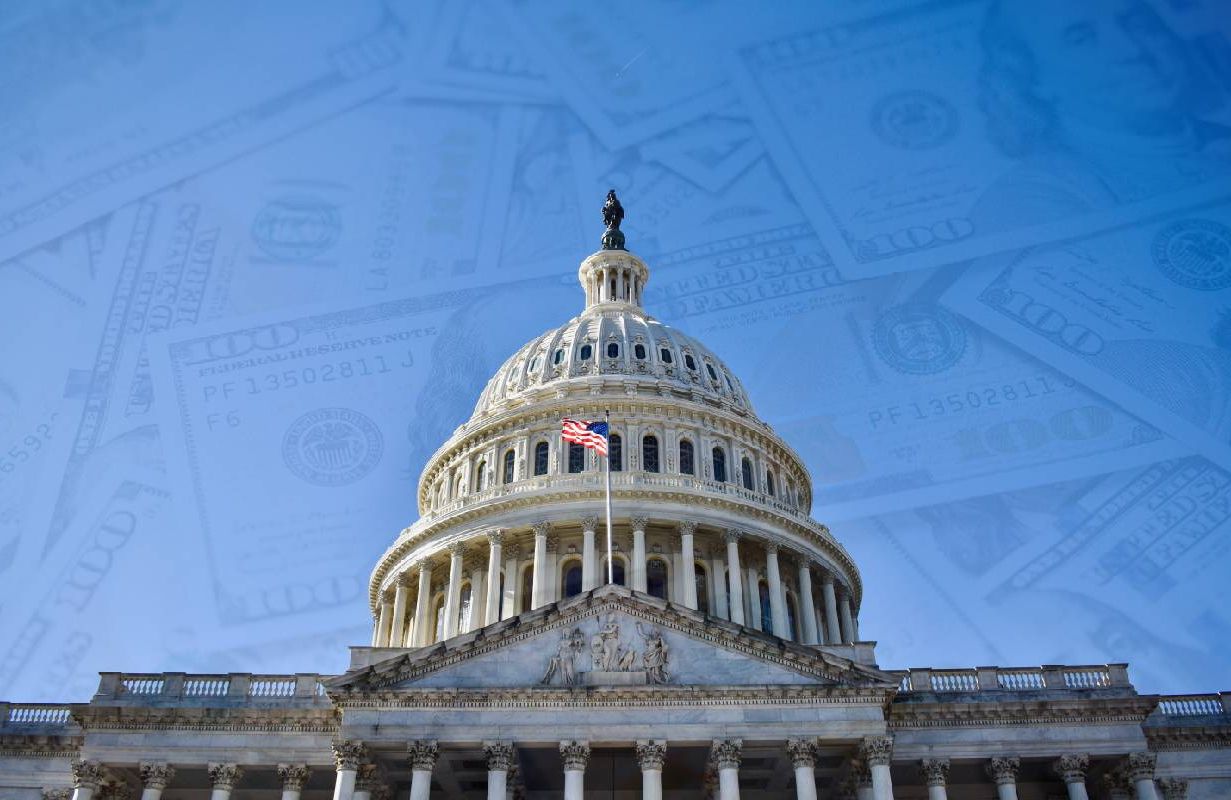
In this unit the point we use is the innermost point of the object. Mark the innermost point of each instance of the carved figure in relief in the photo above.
(655, 657)
(561, 664)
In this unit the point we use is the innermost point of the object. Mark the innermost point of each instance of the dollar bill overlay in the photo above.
(954, 130)
(1142, 314)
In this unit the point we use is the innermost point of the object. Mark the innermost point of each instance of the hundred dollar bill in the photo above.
(1126, 566)
(1141, 314)
(104, 104)
(710, 151)
(954, 130)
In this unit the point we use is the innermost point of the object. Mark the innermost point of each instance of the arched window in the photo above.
(509, 460)
(617, 572)
(792, 620)
(769, 482)
(745, 468)
(703, 591)
(639, 351)
(572, 579)
(576, 457)
(613, 350)
(465, 608)
(459, 487)
(540, 458)
(665, 355)
(558, 356)
(527, 588)
(649, 454)
(767, 614)
(586, 352)
(615, 452)
(479, 476)
(534, 364)
(686, 463)
(689, 362)
(720, 465)
(656, 580)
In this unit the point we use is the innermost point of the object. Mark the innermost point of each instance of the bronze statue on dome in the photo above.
(613, 215)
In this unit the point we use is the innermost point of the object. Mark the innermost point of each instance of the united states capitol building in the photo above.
(722, 659)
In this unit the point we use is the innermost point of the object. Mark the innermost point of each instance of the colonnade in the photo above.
(358, 778)
(823, 609)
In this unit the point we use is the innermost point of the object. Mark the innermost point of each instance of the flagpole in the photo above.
(607, 462)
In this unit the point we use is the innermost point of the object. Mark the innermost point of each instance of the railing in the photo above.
(37, 714)
(1191, 705)
(979, 679)
(234, 687)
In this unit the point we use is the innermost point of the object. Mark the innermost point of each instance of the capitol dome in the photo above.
(710, 508)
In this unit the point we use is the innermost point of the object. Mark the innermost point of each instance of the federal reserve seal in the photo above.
(913, 120)
(919, 339)
(1195, 253)
(332, 446)
(295, 228)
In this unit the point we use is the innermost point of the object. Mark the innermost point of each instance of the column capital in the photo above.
(499, 755)
(1140, 766)
(802, 752)
(368, 778)
(1071, 767)
(589, 523)
(1003, 769)
(87, 774)
(347, 754)
(639, 523)
(422, 753)
(1117, 783)
(513, 551)
(553, 543)
(495, 537)
(861, 771)
(687, 528)
(733, 535)
(155, 776)
(827, 578)
(294, 776)
(541, 528)
(651, 753)
(1173, 788)
(424, 565)
(575, 755)
(935, 771)
(224, 776)
(381, 791)
(404, 580)
(727, 753)
(876, 750)
(771, 546)
(457, 549)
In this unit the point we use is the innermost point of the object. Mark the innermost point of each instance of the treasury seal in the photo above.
(913, 120)
(1195, 253)
(295, 228)
(332, 446)
(919, 339)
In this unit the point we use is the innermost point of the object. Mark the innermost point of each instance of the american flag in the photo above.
(587, 434)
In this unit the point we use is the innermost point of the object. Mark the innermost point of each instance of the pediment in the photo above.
(610, 637)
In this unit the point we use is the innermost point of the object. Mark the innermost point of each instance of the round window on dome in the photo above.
(639, 351)
(613, 350)
(586, 352)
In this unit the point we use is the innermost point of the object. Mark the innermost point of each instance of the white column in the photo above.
(1003, 770)
(754, 597)
(551, 581)
(589, 564)
(499, 760)
(638, 583)
(223, 777)
(87, 777)
(397, 630)
(423, 626)
(491, 612)
(650, 756)
(777, 604)
(575, 756)
(877, 751)
(154, 778)
(293, 778)
(807, 609)
(688, 568)
(726, 755)
(422, 757)
(538, 592)
(735, 594)
(512, 573)
(833, 634)
(935, 772)
(381, 638)
(844, 612)
(1140, 770)
(453, 595)
(717, 568)
(803, 758)
(1071, 768)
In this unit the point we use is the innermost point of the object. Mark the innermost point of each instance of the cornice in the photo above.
(1195, 737)
(1016, 711)
(17, 745)
(239, 719)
